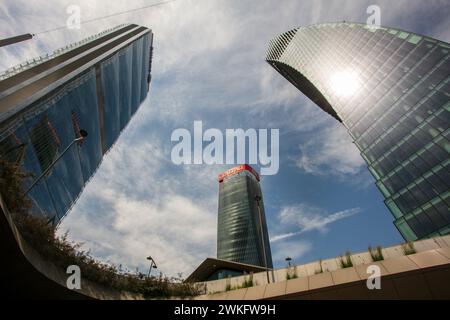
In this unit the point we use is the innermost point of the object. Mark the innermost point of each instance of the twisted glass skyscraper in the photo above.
(391, 90)
(242, 230)
(93, 86)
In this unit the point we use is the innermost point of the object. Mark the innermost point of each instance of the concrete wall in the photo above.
(428, 270)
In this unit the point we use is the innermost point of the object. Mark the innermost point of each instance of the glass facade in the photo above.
(242, 229)
(95, 86)
(391, 90)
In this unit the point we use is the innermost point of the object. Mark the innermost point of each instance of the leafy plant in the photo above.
(377, 254)
(408, 248)
(248, 282)
(346, 261)
(11, 188)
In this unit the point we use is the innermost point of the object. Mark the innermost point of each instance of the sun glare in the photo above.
(344, 83)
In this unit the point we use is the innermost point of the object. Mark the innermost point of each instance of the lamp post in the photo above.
(83, 135)
(258, 199)
(152, 265)
(288, 260)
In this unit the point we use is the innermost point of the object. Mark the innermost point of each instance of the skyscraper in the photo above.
(242, 230)
(94, 87)
(391, 90)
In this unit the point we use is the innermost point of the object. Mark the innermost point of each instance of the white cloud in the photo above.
(330, 152)
(308, 218)
(292, 249)
(173, 229)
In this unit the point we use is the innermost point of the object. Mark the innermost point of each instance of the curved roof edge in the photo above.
(304, 85)
(278, 45)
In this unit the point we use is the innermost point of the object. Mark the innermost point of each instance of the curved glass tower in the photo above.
(93, 86)
(391, 90)
(242, 230)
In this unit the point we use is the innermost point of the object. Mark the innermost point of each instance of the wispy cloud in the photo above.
(128, 230)
(330, 152)
(308, 218)
(292, 249)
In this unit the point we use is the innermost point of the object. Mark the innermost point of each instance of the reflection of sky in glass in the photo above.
(124, 87)
(392, 91)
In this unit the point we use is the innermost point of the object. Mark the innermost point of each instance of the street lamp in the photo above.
(83, 135)
(152, 265)
(288, 259)
(258, 199)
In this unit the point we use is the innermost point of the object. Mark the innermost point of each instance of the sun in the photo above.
(345, 83)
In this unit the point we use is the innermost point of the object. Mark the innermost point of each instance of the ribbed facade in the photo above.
(242, 234)
(391, 90)
(95, 85)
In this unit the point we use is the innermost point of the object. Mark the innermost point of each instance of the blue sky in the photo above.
(209, 65)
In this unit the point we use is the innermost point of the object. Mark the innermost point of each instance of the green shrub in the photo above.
(346, 261)
(248, 282)
(408, 248)
(377, 254)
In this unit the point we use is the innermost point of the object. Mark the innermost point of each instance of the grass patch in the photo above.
(376, 254)
(248, 282)
(346, 260)
(408, 248)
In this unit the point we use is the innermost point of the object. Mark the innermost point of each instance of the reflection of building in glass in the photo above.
(391, 90)
(242, 230)
(95, 85)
